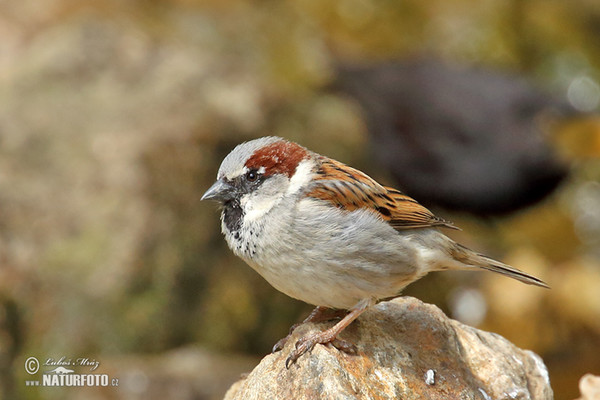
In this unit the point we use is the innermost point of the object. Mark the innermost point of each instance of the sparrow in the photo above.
(329, 235)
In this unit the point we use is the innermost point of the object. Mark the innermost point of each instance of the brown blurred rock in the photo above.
(186, 373)
(589, 386)
(406, 349)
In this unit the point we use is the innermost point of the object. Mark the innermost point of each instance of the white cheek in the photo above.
(256, 206)
(301, 177)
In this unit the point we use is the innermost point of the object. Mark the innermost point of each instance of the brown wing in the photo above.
(349, 189)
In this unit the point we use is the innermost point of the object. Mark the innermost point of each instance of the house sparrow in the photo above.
(328, 234)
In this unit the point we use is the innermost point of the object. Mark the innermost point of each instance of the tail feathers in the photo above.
(497, 266)
(471, 259)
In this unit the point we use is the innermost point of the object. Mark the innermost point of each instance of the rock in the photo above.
(406, 349)
(184, 373)
(589, 386)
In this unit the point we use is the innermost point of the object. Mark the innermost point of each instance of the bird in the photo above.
(458, 137)
(329, 235)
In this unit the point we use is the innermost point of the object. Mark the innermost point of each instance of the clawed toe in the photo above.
(308, 342)
(280, 344)
(304, 344)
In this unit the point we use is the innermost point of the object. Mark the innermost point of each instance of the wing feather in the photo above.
(350, 189)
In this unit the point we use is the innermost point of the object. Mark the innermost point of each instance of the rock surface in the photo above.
(589, 386)
(406, 350)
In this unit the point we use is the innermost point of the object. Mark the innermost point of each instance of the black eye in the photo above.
(252, 175)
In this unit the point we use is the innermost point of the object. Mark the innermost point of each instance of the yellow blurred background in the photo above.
(115, 115)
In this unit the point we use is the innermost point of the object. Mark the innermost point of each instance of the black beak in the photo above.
(221, 191)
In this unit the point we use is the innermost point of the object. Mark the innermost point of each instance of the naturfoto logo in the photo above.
(62, 372)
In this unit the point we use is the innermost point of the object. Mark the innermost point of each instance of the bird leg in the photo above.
(319, 314)
(307, 342)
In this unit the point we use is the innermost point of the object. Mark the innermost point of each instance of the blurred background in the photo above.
(115, 115)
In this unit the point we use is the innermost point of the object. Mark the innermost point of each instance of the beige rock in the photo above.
(406, 350)
(589, 386)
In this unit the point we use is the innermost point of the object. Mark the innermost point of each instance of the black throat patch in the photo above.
(232, 216)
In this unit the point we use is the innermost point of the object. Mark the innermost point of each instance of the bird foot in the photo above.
(308, 342)
(319, 314)
(281, 342)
